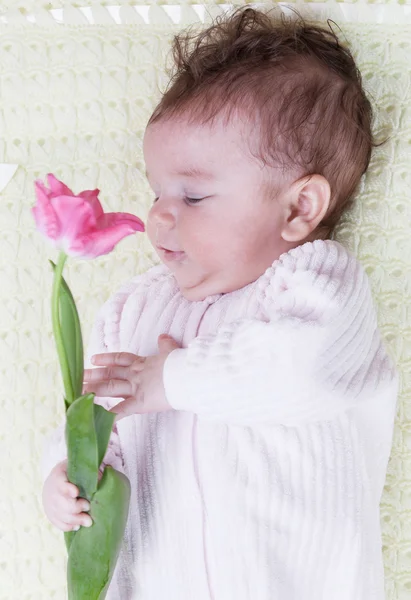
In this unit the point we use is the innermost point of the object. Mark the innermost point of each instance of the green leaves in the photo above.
(88, 428)
(71, 339)
(94, 551)
(103, 421)
(82, 448)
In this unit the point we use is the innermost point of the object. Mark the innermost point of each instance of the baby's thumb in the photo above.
(167, 344)
(126, 408)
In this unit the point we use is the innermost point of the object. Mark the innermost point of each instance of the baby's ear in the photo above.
(307, 202)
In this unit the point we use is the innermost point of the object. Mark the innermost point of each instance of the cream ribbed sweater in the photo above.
(264, 483)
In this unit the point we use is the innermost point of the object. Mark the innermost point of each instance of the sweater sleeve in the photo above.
(315, 352)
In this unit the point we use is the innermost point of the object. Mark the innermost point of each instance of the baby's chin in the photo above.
(196, 293)
(199, 290)
(197, 285)
(206, 288)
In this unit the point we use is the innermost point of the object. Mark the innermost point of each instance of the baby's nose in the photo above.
(162, 214)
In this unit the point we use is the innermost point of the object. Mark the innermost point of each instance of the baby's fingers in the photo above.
(65, 526)
(72, 524)
(113, 388)
(92, 375)
(70, 490)
(75, 513)
(81, 505)
(123, 359)
(61, 482)
(81, 519)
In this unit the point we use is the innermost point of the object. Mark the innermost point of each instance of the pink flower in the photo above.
(77, 225)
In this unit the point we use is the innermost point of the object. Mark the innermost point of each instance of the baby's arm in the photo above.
(317, 354)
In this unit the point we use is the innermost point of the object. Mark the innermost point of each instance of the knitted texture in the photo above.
(295, 360)
(315, 298)
(74, 100)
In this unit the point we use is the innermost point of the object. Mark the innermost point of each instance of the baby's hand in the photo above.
(61, 503)
(137, 379)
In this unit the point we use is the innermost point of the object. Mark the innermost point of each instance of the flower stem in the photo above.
(58, 338)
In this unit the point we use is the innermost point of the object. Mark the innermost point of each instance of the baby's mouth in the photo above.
(170, 255)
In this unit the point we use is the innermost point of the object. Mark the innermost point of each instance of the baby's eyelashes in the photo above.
(187, 199)
(190, 200)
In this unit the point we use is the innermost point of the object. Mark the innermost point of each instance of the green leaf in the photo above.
(72, 338)
(103, 422)
(94, 550)
(68, 538)
(82, 446)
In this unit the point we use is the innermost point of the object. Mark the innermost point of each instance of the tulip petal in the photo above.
(57, 187)
(38, 184)
(102, 241)
(119, 218)
(77, 223)
(76, 219)
(44, 214)
(111, 229)
(92, 197)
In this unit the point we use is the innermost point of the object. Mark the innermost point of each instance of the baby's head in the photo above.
(256, 147)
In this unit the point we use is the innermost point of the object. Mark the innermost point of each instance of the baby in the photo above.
(258, 396)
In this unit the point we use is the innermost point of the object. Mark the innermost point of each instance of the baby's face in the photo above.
(212, 221)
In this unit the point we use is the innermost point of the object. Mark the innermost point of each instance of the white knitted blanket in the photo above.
(76, 88)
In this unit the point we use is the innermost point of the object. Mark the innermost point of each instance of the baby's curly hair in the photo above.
(294, 81)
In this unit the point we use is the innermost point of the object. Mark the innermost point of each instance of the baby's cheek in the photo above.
(208, 236)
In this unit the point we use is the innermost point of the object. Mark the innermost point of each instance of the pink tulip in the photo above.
(77, 225)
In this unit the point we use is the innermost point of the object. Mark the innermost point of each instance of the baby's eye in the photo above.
(189, 200)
